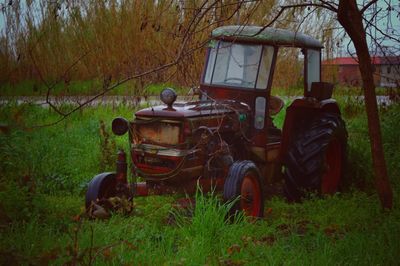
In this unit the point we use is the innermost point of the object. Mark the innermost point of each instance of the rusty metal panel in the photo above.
(159, 132)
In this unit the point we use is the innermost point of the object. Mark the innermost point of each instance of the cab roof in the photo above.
(264, 35)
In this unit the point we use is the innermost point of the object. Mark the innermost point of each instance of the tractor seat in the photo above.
(275, 105)
(274, 133)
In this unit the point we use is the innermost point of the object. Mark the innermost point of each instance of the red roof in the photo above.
(376, 60)
(340, 61)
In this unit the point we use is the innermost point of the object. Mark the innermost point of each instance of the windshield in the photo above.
(239, 65)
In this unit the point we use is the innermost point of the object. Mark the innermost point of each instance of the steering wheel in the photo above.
(237, 79)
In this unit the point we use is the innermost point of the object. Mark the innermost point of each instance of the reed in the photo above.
(59, 42)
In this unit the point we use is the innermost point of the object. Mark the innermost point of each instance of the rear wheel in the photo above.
(316, 158)
(244, 187)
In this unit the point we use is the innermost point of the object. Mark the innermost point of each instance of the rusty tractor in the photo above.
(226, 140)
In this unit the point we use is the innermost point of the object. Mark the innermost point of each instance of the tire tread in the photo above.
(304, 161)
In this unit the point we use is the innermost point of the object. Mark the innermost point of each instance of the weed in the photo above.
(107, 148)
(352, 106)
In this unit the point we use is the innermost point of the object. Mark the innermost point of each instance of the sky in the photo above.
(388, 22)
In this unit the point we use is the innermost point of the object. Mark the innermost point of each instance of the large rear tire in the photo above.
(316, 158)
(245, 188)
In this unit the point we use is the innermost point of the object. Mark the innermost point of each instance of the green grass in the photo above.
(60, 156)
(348, 229)
(339, 91)
(34, 88)
(41, 219)
(130, 88)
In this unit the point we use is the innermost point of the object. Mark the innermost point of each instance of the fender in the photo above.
(97, 186)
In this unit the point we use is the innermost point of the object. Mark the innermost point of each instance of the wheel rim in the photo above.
(250, 195)
(333, 163)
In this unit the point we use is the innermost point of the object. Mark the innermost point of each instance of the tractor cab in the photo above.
(240, 65)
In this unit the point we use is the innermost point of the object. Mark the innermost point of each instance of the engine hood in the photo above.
(193, 109)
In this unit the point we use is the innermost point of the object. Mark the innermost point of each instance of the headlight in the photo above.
(119, 126)
(168, 96)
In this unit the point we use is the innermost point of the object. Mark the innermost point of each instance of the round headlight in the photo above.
(119, 126)
(168, 96)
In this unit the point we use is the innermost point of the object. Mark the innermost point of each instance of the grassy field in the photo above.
(93, 87)
(83, 87)
(42, 221)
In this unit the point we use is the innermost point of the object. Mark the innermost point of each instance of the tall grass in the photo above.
(62, 157)
(359, 154)
(337, 230)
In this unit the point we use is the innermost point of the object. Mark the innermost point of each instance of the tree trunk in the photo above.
(350, 18)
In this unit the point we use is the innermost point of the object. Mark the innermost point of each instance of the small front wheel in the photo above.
(244, 187)
(104, 195)
(102, 186)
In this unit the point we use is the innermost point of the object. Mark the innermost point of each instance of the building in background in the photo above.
(345, 71)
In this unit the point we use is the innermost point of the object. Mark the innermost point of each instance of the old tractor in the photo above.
(226, 139)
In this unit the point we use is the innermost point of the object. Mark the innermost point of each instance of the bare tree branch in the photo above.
(282, 9)
(364, 8)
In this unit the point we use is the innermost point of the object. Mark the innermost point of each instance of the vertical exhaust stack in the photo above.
(122, 167)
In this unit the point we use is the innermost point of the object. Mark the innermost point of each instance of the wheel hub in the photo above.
(250, 196)
(333, 168)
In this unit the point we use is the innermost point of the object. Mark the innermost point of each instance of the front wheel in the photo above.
(100, 189)
(316, 158)
(244, 187)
